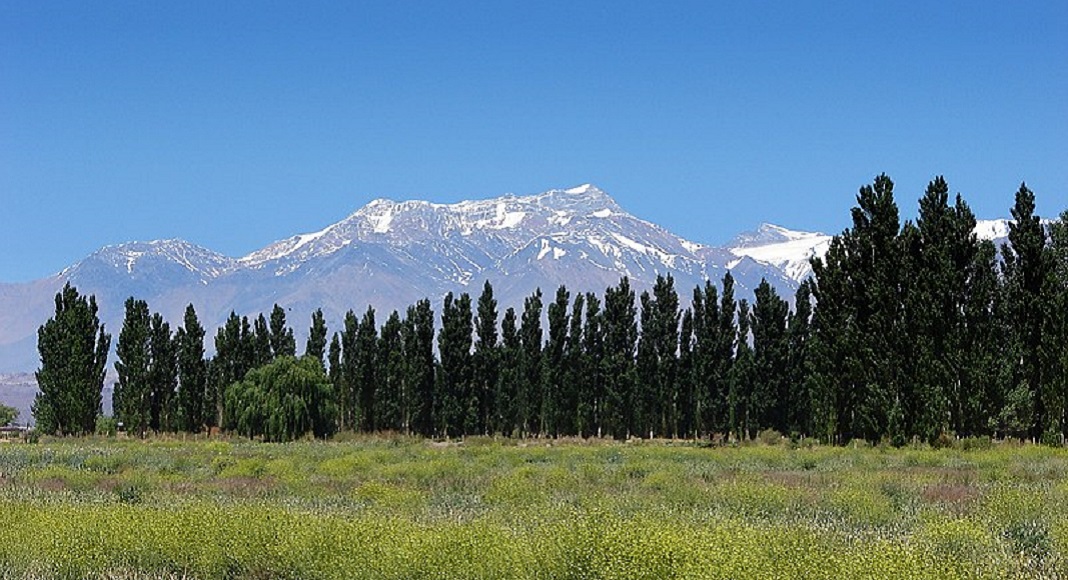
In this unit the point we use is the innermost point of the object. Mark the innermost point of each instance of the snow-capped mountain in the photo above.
(389, 254)
(790, 251)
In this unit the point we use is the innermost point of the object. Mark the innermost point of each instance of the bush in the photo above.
(106, 426)
(770, 437)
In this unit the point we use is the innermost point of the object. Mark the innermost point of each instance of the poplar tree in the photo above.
(665, 346)
(74, 347)
(574, 384)
(529, 388)
(591, 388)
(486, 359)
(391, 401)
(260, 342)
(366, 383)
(131, 398)
(163, 375)
(551, 403)
(282, 341)
(192, 374)
(620, 336)
(770, 390)
(456, 414)
(741, 379)
(348, 394)
(1026, 268)
(419, 348)
(687, 402)
(799, 393)
(315, 347)
(506, 418)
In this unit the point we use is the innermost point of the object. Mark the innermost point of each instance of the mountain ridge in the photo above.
(388, 254)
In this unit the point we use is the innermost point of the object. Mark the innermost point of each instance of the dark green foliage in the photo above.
(392, 396)
(590, 389)
(455, 413)
(741, 412)
(192, 412)
(620, 335)
(162, 375)
(574, 369)
(131, 399)
(553, 403)
(335, 372)
(283, 400)
(7, 415)
(485, 360)
(861, 374)
(282, 341)
(506, 418)
(904, 333)
(798, 403)
(233, 359)
(316, 344)
(687, 402)
(348, 394)
(529, 384)
(74, 348)
(367, 370)
(260, 342)
(1054, 350)
(769, 395)
(419, 351)
(1026, 270)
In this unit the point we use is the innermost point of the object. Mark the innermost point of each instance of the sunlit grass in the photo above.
(394, 507)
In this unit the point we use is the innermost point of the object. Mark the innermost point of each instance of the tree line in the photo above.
(903, 332)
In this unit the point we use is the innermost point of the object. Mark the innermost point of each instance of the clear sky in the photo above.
(234, 124)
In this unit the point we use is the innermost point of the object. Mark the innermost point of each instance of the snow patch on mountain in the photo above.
(785, 249)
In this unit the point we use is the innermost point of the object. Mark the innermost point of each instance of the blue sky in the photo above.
(235, 124)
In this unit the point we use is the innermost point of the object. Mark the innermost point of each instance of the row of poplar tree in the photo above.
(903, 332)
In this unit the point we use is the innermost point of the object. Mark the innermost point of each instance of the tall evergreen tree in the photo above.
(163, 375)
(131, 399)
(367, 370)
(506, 414)
(552, 402)
(336, 374)
(192, 374)
(232, 360)
(687, 403)
(860, 331)
(529, 388)
(620, 337)
(74, 347)
(740, 409)
(316, 344)
(486, 358)
(260, 342)
(799, 394)
(282, 341)
(1054, 354)
(391, 399)
(348, 394)
(666, 345)
(770, 392)
(590, 393)
(419, 348)
(1026, 268)
(647, 389)
(454, 380)
(568, 420)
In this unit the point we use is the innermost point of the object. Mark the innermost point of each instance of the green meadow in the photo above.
(396, 507)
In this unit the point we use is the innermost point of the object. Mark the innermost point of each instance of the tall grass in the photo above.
(405, 508)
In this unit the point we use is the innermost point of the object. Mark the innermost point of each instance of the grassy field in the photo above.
(406, 508)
